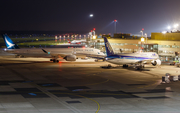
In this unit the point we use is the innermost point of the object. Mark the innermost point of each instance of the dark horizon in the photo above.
(74, 15)
(42, 32)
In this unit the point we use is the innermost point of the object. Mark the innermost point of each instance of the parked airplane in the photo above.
(138, 58)
(76, 41)
(69, 54)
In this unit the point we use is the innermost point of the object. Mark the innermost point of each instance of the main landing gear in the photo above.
(19, 56)
(139, 67)
(54, 60)
(102, 60)
(96, 60)
(125, 66)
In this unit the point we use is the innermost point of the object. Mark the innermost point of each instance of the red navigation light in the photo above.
(94, 29)
(142, 29)
(115, 20)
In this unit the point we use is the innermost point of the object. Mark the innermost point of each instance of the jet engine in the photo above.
(70, 58)
(156, 62)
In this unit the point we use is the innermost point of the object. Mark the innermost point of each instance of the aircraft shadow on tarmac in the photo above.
(142, 69)
(6, 64)
(21, 62)
(128, 68)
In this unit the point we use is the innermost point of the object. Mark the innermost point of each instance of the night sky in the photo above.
(73, 15)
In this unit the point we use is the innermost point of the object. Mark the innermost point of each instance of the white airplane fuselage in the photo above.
(77, 41)
(132, 58)
(38, 52)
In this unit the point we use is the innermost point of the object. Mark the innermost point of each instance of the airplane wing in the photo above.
(147, 61)
(143, 62)
(98, 57)
(56, 54)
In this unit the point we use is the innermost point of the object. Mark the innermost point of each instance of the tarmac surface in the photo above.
(36, 85)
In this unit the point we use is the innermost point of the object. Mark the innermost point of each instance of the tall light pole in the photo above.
(94, 31)
(142, 41)
(142, 32)
(146, 37)
(115, 25)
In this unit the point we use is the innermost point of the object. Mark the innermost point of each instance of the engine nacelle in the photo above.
(70, 58)
(156, 62)
(104, 59)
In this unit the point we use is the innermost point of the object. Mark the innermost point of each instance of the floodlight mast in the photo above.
(146, 37)
(115, 25)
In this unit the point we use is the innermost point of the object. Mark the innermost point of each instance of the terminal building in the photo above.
(166, 45)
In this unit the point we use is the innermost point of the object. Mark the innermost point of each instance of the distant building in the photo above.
(122, 35)
(166, 45)
(108, 36)
(166, 36)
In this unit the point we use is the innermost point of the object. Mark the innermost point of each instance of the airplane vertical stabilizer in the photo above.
(108, 47)
(9, 43)
(69, 41)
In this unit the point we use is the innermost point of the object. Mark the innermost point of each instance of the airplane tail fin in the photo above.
(9, 43)
(109, 50)
(69, 41)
